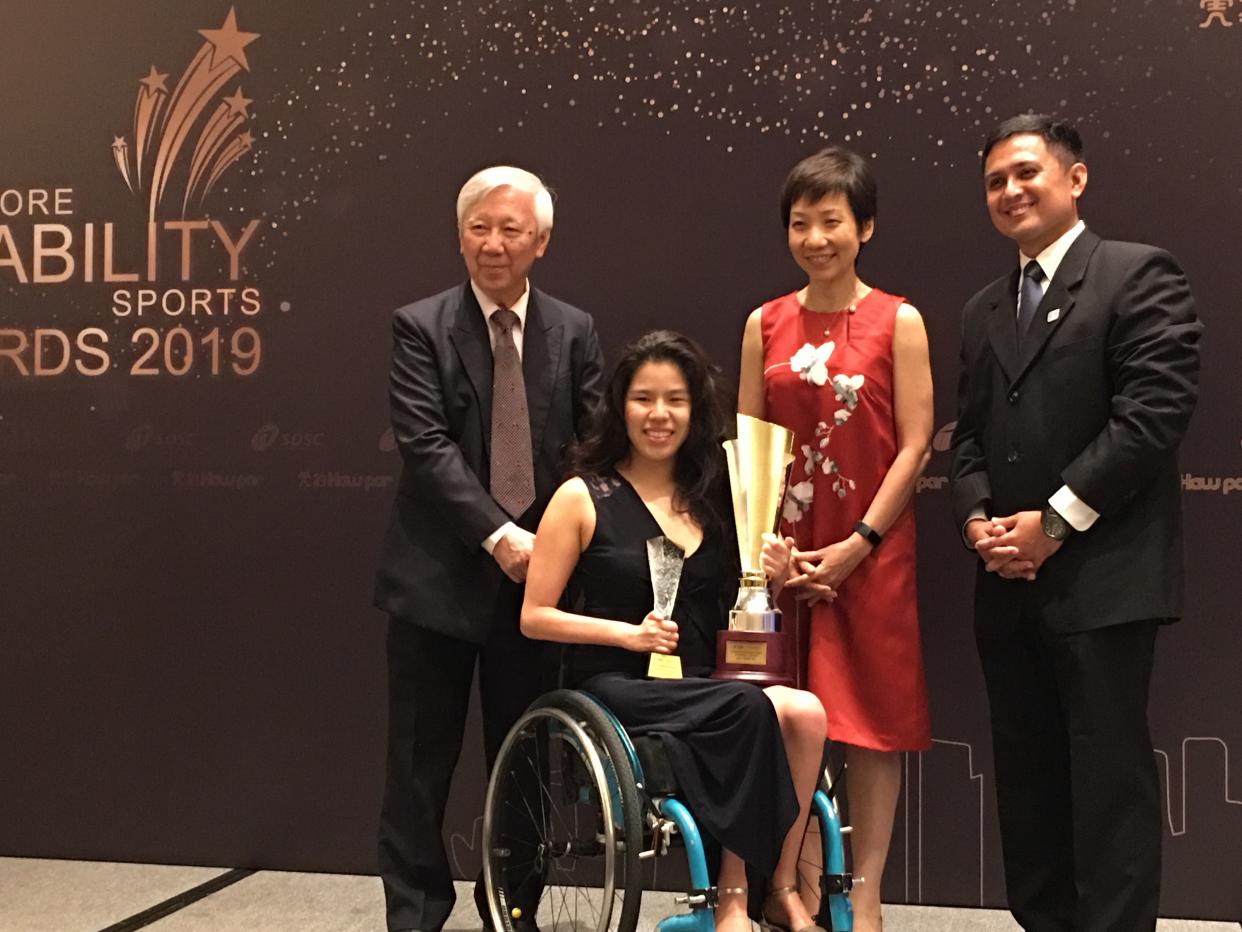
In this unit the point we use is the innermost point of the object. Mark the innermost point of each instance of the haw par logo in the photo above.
(163, 122)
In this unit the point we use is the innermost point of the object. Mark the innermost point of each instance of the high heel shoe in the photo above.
(767, 923)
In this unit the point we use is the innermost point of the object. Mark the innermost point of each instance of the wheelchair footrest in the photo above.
(700, 899)
(835, 884)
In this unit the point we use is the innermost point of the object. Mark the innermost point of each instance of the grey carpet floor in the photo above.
(77, 896)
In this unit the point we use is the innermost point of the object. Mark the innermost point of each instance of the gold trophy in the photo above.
(754, 648)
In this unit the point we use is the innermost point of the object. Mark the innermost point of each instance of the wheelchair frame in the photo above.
(618, 775)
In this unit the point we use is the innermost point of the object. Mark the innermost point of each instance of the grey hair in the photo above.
(482, 183)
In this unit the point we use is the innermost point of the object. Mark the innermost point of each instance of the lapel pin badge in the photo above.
(1054, 314)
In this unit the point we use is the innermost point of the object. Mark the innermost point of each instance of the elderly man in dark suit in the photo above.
(1079, 377)
(491, 381)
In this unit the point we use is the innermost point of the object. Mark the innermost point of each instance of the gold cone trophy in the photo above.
(754, 648)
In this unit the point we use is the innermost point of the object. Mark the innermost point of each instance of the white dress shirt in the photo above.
(1050, 259)
(490, 307)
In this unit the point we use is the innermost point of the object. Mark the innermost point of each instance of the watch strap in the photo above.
(869, 534)
(1053, 524)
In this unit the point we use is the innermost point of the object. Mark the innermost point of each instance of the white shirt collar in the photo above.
(1050, 259)
(489, 306)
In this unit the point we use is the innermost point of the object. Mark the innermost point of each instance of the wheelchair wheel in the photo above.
(562, 824)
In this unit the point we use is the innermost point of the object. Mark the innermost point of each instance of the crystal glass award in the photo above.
(664, 560)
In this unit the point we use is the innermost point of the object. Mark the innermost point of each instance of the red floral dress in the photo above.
(829, 378)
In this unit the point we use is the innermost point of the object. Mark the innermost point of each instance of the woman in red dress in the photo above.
(845, 366)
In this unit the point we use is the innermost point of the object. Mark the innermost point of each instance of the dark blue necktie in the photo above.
(1029, 296)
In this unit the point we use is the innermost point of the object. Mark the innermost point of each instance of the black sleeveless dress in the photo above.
(722, 737)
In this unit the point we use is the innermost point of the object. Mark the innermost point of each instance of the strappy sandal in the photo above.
(743, 892)
(767, 924)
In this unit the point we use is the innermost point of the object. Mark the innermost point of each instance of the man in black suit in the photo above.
(491, 381)
(1079, 377)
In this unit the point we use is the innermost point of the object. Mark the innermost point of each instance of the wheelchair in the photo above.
(574, 806)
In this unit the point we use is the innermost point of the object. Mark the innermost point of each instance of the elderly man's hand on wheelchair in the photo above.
(655, 635)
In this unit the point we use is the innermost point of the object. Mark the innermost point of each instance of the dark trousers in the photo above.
(429, 680)
(1076, 781)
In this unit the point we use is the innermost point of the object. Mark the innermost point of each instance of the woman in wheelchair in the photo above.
(746, 759)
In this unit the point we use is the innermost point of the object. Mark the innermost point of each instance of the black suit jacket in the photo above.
(434, 571)
(1097, 398)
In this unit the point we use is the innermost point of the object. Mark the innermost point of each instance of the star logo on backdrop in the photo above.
(237, 103)
(154, 82)
(228, 41)
(181, 142)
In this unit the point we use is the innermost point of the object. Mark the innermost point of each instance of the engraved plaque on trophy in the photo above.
(664, 560)
(754, 648)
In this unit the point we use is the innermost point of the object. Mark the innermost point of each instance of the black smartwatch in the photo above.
(1053, 524)
(868, 533)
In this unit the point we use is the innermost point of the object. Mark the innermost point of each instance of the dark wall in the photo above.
(189, 668)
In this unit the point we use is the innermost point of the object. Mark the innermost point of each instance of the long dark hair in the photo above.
(698, 470)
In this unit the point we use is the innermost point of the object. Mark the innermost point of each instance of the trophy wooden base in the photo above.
(760, 657)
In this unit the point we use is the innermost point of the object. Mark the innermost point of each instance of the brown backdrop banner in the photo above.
(207, 215)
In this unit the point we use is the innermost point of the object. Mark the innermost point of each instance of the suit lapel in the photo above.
(1058, 301)
(474, 349)
(541, 356)
(1003, 328)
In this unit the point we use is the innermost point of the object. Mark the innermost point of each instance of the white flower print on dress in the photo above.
(846, 387)
(813, 458)
(798, 499)
(811, 362)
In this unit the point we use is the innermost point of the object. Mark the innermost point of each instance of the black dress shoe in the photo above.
(480, 902)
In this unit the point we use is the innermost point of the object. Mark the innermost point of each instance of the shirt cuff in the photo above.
(494, 538)
(1077, 513)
